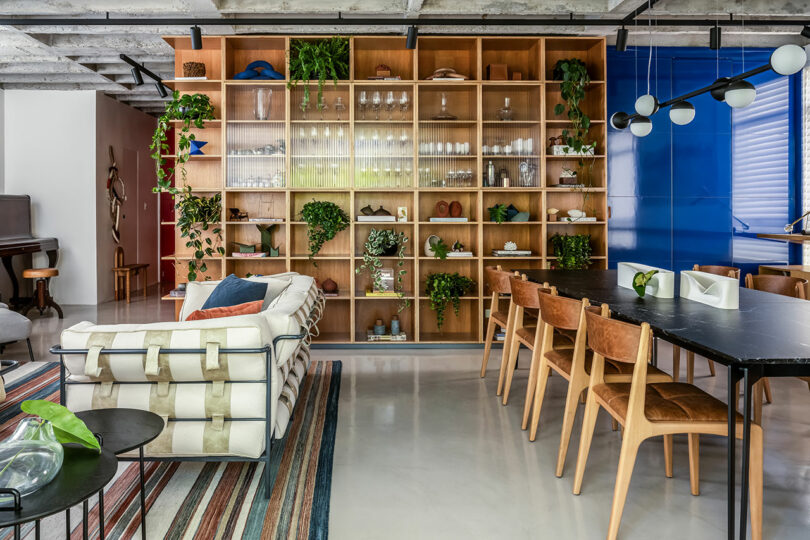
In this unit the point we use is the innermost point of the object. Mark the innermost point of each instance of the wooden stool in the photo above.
(42, 299)
(123, 274)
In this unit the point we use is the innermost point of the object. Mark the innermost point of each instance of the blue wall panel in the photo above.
(671, 192)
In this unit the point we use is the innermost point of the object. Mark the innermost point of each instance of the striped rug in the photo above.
(211, 500)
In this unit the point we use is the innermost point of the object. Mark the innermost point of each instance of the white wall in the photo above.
(50, 154)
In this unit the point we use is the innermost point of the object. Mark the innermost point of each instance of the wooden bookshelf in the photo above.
(377, 160)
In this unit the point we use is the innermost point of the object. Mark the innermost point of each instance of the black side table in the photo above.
(83, 473)
(121, 431)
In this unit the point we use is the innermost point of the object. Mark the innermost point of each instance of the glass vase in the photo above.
(30, 458)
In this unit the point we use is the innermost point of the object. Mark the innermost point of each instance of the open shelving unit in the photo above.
(395, 155)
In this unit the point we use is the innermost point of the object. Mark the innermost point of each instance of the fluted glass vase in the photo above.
(30, 458)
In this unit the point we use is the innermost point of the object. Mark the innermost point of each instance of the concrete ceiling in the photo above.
(83, 57)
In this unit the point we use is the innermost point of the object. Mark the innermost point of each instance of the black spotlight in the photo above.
(136, 74)
(196, 38)
(621, 39)
(714, 38)
(806, 31)
(161, 89)
(410, 41)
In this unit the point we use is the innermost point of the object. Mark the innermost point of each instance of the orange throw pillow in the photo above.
(247, 308)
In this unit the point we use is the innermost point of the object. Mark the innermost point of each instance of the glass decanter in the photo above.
(443, 113)
(506, 113)
(30, 458)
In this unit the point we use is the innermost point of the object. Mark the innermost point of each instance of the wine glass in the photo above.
(376, 103)
(363, 104)
(322, 106)
(390, 103)
(404, 104)
(339, 106)
(304, 106)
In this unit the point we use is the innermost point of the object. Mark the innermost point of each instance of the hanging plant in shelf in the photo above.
(385, 243)
(319, 59)
(443, 288)
(196, 216)
(571, 252)
(324, 220)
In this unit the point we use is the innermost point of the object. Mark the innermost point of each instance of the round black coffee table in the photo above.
(84, 472)
(121, 431)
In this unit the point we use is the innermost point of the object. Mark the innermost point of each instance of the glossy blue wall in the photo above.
(671, 193)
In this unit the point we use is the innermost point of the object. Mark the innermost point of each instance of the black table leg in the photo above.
(654, 360)
(750, 381)
(67, 523)
(84, 519)
(101, 514)
(732, 441)
(143, 495)
(14, 301)
(16, 532)
(36, 530)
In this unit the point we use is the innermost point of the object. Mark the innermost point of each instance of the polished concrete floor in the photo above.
(425, 450)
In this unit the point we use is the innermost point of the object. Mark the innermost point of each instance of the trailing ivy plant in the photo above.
(324, 220)
(385, 242)
(319, 59)
(573, 76)
(572, 252)
(443, 288)
(196, 215)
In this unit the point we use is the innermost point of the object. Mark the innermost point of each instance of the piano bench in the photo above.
(42, 299)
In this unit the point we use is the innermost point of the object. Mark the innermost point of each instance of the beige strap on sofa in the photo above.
(211, 356)
(152, 366)
(91, 367)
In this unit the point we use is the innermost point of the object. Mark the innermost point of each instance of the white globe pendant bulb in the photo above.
(741, 94)
(641, 126)
(646, 105)
(682, 113)
(788, 59)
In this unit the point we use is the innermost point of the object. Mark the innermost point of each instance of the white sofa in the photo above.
(214, 403)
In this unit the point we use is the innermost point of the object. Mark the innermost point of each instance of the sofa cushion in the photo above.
(233, 290)
(228, 311)
(197, 292)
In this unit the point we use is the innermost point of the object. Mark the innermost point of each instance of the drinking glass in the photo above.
(363, 104)
(404, 104)
(376, 103)
(322, 106)
(304, 106)
(390, 103)
(263, 99)
(339, 106)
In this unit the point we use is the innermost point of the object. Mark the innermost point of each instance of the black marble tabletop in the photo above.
(767, 329)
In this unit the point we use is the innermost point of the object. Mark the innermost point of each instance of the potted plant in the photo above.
(573, 76)
(572, 252)
(319, 59)
(385, 243)
(324, 220)
(443, 288)
(195, 215)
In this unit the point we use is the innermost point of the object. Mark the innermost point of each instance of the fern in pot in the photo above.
(318, 59)
(385, 243)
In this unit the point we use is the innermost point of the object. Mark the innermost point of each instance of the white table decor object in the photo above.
(717, 291)
(662, 284)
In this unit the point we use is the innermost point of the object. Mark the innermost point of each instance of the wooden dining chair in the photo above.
(786, 286)
(508, 332)
(525, 330)
(727, 271)
(650, 410)
(497, 281)
(561, 314)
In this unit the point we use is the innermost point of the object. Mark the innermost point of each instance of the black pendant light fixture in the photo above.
(196, 38)
(410, 41)
(715, 38)
(136, 74)
(621, 39)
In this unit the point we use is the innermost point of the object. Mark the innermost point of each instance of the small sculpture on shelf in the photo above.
(568, 176)
(259, 70)
(497, 72)
(266, 232)
(195, 148)
(445, 73)
(329, 287)
(237, 215)
(552, 214)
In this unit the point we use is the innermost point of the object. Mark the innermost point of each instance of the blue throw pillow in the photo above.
(233, 291)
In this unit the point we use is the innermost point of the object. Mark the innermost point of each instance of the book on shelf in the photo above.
(511, 253)
(203, 78)
(567, 185)
(380, 78)
(371, 336)
(177, 293)
(500, 336)
(569, 219)
(449, 219)
(459, 254)
(331, 294)
(258, 255)
(267, 219)
(382, 294)
(377, 219)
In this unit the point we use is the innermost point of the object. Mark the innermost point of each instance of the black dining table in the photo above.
(768, 336)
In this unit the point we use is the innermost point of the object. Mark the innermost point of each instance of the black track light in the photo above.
(196, 38)
(410, 41)
(715, 38)
(806, 31)
(136, 74)
(621, 39)
(161, 89)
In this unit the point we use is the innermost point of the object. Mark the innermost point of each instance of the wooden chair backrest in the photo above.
(784, 285)
(525, 293)
(559, 312)
(119, 257)
(727, 271)
(614, 339)
(498, 280)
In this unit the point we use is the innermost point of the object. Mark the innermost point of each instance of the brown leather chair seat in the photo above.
(564, 358)
(667, 402)
(528, 333)
(500, 317)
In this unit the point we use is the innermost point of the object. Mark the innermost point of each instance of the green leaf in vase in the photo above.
(66, 426)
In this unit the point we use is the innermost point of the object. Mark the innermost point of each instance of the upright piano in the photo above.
(16, 238)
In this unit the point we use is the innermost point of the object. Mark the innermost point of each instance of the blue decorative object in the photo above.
(259, 70)
(394, 325)
(233, 291)
(379, 328)
(196, 148)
